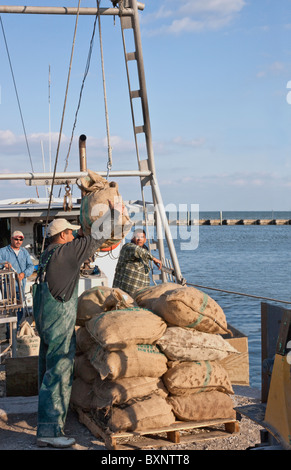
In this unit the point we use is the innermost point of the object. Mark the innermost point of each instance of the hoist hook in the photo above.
(68, 202)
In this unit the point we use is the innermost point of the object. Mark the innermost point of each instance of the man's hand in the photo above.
(158, 263)
(21, 276)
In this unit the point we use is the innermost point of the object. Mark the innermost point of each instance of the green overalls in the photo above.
(55, 322)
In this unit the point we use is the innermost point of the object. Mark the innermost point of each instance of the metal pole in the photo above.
(146, 120)
(163, 216)
(142, 84)
(36, 10)
(70, 175)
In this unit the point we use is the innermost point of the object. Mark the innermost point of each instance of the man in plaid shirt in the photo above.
(133, 271)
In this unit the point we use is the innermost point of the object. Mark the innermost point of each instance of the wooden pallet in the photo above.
(160, 437)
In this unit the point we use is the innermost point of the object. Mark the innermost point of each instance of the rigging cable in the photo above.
(109, 163)
(239, 293)
(81, 91)
(18, 101)
(61, 127)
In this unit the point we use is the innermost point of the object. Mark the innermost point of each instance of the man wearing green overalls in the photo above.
(55, 305)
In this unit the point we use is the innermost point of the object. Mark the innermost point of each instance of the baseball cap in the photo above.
(59, 225)
(17, 233)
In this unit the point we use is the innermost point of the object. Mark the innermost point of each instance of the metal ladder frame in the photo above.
(161, 222)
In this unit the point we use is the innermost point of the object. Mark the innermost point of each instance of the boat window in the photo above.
(5, 231)
(38, 234)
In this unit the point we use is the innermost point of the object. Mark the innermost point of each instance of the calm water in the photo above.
(248, 259)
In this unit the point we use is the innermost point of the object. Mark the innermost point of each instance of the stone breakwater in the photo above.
(215, 222)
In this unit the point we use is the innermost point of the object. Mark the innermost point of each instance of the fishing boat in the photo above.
(32, 216)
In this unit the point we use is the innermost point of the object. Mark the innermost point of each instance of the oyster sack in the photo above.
(196, 377)
(188, 344)
(202, 406)
(84, 369)
(146, 297)
(99, 299)
(142, 360)
(97, 191)
(27, 341)
(116, 392)
(118, 329)
(191, 308)
(81, 395)
(84, 340)
(148, 413)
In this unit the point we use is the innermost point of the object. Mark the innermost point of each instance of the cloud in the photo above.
(192, 16)
(10, 142)
(236, 180)
(14, 145)
(7, 138)
(189, 143)
(275, 68)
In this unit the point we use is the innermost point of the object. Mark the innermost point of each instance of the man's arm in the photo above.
(145, 255)
(4, 255)
(29, 268)
(104, 228)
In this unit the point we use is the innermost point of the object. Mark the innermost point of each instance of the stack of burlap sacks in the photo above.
(118, 367)
(143, 363)
(198, 385)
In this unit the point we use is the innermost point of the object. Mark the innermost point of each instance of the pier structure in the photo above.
(215, 222)
(239, 222)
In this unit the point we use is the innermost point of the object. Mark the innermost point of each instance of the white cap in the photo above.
(17, 233)
(59, 225)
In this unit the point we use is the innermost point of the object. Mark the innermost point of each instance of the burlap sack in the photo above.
(97, 191)
(146, 297)
(148, 413)
(84, 340)
(118, 329)
(99, 299)
(142, 360)
(27, 346)
(187, 344)
(196, 377)
(116, 392)
(202, 406)
(81, 395)
(84, 369)
(189, 307)
(27, 341)
(118, 300)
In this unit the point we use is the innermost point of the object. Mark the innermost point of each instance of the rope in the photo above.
(240, 293)
(61, 127)
(109, 163)
(87, 67)
(18, 101)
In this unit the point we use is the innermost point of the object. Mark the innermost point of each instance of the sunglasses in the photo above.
(18, 239)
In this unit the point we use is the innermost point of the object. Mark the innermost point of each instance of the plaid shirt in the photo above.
(132, 271)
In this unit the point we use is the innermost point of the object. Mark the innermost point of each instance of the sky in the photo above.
(218, 78)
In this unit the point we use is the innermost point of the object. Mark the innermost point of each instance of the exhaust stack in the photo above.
(82, 155)
(82, 152)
